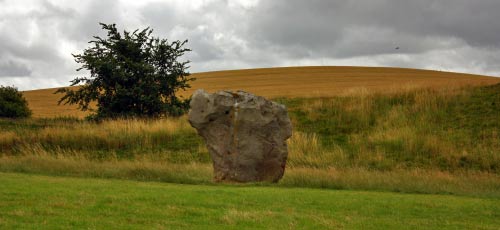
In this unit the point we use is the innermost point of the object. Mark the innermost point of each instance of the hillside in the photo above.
(437, 140)
(321, 81)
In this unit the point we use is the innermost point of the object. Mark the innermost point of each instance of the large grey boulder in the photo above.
(245, 134)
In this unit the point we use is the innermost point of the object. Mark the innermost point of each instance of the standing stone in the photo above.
(245, 134)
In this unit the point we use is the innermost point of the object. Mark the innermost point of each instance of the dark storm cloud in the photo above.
(353, 28)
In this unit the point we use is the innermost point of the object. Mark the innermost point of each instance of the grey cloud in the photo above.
(14, 69)
(296, 23)
(165, 20)
(211, 29)
(162, 17)
(47, 10)
(84, 24)
(319, 25)
(30, 46)
(38, 50)
(17, 42)
(461, 35)
(280, 31)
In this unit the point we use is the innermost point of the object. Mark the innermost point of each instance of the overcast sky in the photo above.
(38, 37)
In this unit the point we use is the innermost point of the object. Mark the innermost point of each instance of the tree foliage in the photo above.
(12, 103)
(132, 74)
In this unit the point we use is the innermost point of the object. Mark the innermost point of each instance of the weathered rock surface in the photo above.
(245, 134)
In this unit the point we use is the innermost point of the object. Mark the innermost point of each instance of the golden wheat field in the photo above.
(313, 81)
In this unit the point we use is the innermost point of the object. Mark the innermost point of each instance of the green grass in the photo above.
(41, 202)
(447, 129)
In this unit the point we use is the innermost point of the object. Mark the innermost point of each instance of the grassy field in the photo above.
(416, 140)
(40, 202)
(374, 129)
(320, 81)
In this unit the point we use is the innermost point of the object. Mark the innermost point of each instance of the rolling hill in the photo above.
(313, 81)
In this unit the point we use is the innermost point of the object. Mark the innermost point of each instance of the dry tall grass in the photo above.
(409, 128)
(151, 169)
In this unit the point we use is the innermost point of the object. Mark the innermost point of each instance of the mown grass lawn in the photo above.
(42, 202)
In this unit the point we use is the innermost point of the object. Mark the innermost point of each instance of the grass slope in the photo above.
(419, 140)
(447, 129)
(315, 81)
(40, 202)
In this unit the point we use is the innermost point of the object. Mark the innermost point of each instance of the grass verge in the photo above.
(41, 202)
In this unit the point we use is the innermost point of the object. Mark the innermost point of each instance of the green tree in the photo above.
(12, 103)
(131, 75)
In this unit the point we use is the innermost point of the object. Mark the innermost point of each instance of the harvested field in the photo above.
(320, 81)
